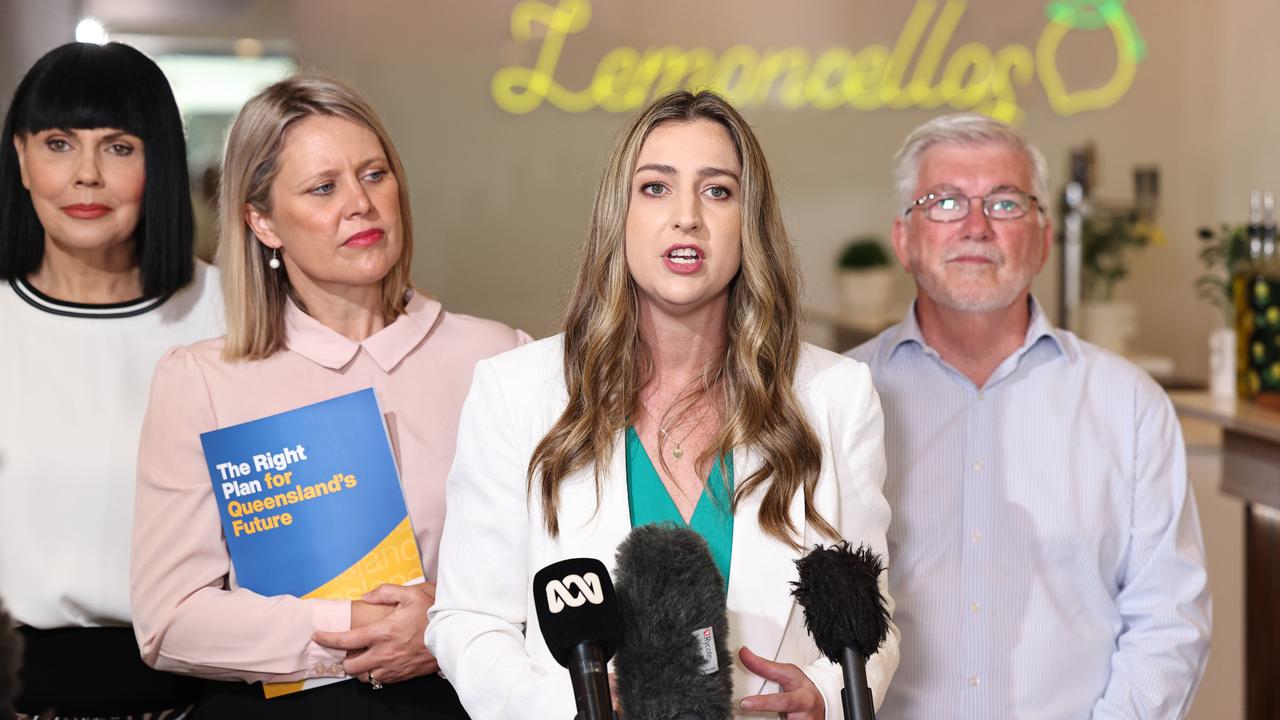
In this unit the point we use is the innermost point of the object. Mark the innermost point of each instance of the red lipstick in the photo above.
(86, 211)
(365, 238)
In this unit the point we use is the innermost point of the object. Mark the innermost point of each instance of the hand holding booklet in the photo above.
(312, 506)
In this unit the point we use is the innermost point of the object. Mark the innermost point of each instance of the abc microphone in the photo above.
(839, 589)
(673, 662)
(578, 613)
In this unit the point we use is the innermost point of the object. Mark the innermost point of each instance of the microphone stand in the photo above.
(856, 694)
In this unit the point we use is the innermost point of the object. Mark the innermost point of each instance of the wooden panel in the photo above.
(1262, 613)
(1251, 469)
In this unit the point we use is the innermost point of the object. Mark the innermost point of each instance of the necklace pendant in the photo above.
(677, 453)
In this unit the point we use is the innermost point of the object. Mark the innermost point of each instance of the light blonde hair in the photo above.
(606, 362)
(255, 295)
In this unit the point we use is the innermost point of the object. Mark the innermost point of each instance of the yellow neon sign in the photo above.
(972, 77)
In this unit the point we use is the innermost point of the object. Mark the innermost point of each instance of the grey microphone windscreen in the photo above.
(673, 661)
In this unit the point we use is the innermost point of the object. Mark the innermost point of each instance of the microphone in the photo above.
(673, 662)
(578, 614)
(844, 612)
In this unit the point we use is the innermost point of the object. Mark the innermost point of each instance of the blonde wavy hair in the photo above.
(606, 362)
(255, 295)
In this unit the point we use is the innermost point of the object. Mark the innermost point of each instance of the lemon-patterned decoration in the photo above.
(1258, 335)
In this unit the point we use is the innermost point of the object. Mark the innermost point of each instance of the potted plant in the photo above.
(1107, 240)
(865, 278)
(1222, 251)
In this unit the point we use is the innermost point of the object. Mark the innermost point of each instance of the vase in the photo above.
(864, 294)
(1222, 363)
(1109, 324)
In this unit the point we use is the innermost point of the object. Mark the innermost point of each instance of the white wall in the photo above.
(29, 29)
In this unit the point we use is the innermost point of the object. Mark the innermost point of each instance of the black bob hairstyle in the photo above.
(86, 86)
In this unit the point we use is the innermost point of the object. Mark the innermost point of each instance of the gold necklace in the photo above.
(676, 452)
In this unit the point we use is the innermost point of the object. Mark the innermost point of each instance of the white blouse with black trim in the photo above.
(74, 380)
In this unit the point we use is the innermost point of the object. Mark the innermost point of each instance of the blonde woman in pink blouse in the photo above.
(315, 255)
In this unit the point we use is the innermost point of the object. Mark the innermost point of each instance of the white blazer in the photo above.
(484, 629)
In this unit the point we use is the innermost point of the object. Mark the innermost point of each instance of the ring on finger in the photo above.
(373, 681)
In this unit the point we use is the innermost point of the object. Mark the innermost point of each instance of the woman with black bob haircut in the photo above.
(97, 280)
(82, 85)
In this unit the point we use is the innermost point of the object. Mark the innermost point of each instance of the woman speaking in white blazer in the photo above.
(679, 391)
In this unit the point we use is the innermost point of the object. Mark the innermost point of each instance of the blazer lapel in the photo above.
(588, 531)
(760, 575)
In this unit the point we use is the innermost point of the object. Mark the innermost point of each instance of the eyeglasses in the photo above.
(999, 205)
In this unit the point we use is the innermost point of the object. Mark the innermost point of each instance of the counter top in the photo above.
(1229, 414)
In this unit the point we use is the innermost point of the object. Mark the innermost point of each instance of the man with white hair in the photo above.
(1045, 552)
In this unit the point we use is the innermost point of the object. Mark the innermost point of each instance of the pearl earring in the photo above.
(274, 262)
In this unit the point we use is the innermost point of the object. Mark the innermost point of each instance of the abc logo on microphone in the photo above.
(574, 591)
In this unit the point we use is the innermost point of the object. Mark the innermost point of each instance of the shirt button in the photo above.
(975, 536)
(974, 607)
(977, 465)
(982, 395)
(973, 681)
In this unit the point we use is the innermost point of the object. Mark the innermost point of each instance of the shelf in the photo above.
(1229, 414)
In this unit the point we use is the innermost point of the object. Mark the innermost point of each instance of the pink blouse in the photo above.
(189, 614)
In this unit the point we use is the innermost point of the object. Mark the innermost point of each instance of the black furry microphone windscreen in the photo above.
(839, 589)
(673, 661)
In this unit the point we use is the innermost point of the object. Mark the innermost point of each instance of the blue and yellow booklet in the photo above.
(312, 506)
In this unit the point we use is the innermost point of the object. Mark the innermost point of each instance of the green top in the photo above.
(651, 503)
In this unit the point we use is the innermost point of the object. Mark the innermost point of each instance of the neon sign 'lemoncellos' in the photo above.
(917, 71)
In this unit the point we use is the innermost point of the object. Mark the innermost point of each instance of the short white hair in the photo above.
(962, 129)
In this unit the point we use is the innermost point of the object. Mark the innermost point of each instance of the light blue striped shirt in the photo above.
(1045, 551)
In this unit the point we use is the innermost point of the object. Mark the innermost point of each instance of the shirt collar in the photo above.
(325, 346)
(66, 308)
(908, 331)
(1041, 327)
